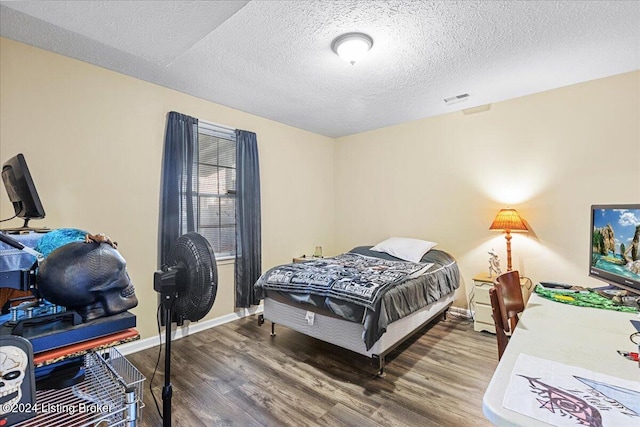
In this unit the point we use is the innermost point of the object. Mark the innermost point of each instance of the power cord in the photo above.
(3, 220)
(157, 362)
(461, 318)
(529, 284)
(472, 304)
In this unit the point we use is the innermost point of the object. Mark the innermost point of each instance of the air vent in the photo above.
(456, 99)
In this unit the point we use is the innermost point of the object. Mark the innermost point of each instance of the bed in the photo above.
(365, 301)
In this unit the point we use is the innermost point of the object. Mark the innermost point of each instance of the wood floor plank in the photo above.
(343, 416)
(238, 375)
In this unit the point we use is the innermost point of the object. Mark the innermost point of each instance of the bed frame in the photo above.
(348, 335)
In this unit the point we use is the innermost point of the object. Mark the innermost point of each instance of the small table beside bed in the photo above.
(365, 300)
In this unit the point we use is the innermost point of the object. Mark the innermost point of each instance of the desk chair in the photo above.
(501, 336)
(506, 304)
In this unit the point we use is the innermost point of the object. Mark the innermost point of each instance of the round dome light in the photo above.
(352, 46)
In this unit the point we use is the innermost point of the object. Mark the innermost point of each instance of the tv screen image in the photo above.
(615, 245)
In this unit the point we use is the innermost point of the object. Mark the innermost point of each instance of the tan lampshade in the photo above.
(508, 219)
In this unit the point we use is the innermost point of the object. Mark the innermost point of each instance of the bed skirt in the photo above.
(349, 335)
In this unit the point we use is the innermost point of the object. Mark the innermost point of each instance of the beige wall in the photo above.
(93, 140)
(549, 155)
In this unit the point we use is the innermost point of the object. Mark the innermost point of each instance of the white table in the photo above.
(579, 336)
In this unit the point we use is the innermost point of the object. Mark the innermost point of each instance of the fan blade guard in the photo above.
(197, 277)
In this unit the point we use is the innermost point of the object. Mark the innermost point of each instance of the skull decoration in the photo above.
(90, 278)
(13, 364)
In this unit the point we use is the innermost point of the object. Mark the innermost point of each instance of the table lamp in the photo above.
(508, 220)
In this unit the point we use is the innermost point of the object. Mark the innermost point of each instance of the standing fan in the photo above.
(187, 287)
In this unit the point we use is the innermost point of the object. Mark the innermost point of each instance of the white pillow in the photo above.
(405, 248)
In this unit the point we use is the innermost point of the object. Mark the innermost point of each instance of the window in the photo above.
(216, 207)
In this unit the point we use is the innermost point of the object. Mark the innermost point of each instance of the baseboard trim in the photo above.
(194, 327)
(187, 329)
(461, 312)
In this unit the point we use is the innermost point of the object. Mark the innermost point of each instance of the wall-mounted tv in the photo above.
(615, 245)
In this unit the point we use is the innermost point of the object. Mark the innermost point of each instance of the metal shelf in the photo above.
(110, 395)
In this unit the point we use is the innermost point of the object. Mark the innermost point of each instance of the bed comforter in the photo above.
(365, 286)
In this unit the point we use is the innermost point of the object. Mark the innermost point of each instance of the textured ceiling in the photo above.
(274, 58)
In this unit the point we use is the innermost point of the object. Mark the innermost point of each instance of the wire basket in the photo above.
(124, 372)
(109, 395)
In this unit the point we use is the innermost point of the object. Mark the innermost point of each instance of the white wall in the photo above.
(549, 155)
(93, 141)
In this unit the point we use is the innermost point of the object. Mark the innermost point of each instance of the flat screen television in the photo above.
(615, 245)
(22, 191)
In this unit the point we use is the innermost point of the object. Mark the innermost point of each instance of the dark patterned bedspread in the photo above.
(349, 277)
(393, 302)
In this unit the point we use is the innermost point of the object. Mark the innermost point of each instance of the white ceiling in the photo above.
(274, 58)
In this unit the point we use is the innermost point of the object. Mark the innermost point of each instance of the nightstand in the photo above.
(483, 318)
(304, 258)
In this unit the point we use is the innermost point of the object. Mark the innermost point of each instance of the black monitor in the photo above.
(22, 192)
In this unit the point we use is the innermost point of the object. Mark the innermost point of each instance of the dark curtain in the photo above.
(248, 229)
(179, 181)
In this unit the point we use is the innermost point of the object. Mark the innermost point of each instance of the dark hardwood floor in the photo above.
(238, 375)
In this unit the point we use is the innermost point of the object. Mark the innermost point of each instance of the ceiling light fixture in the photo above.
(352, 46)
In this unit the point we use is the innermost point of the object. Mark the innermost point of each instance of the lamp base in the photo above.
(508, 237)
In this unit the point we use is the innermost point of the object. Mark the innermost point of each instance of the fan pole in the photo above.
(191, 253)
(167, 390)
